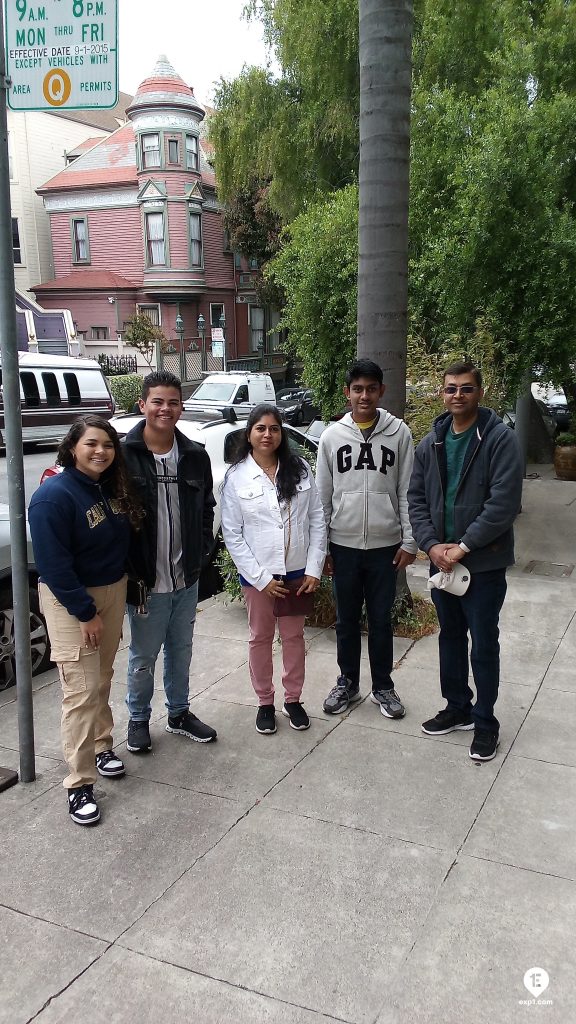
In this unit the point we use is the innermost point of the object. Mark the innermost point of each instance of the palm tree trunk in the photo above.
(385, 91)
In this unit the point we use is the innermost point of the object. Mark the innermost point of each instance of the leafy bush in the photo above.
(126, 390)
(413, 619)
(566, 440)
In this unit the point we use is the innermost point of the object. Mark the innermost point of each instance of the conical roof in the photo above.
(165, 88)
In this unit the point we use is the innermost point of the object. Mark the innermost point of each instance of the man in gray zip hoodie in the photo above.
(363, 470)
(464, 496)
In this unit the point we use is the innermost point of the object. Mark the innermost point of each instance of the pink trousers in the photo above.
(262, 626)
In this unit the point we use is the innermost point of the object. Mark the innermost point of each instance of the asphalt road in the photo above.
(36, 459)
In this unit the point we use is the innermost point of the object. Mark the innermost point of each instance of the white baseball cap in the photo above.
(455, 582)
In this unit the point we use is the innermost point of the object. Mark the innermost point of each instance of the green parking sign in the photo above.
(62, 54)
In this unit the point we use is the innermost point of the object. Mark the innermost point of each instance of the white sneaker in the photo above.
(82, 806)
(109, 764)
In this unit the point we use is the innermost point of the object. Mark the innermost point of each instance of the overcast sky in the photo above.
(202, 40)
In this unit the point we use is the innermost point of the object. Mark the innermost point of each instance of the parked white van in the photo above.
(236, 388)
(54, 391)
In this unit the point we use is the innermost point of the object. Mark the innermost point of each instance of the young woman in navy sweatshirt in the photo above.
(80, 523)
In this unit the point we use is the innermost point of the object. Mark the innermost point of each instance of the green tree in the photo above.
(142, 335)
(317, 270)
(297, 130)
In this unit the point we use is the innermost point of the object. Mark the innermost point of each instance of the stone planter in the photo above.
(565, 462)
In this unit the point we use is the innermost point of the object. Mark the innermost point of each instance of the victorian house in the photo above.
(136, 227)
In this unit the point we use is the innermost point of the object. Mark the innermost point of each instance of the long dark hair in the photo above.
(291, 468)
(115, 478)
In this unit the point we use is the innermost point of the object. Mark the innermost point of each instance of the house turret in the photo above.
(166, 118)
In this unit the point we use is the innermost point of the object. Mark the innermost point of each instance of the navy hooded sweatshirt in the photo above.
(80, 539)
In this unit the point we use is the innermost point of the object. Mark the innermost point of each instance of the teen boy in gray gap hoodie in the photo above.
(363, 470)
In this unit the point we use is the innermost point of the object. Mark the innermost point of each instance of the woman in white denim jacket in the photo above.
(273, 527)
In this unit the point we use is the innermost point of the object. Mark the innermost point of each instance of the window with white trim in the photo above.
(151, 150)
(155, 246)
(152, 312)
(256, 329)
(195, 239)
(191, 153)
(173, 151)
(16, 246)
(99, 333)
(80, 240)
(216, 310)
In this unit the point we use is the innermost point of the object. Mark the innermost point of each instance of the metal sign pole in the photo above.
(13, 441)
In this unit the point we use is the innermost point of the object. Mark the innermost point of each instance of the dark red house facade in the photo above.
(136, 227)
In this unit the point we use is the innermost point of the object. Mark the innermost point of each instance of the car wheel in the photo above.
(39, 643)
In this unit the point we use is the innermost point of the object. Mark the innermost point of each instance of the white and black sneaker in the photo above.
(82, 806)
(109, 764)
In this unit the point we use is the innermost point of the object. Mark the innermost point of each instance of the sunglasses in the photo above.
(464, 389)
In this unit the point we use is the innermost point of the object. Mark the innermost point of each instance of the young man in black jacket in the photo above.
(464, 496)
(172, 478)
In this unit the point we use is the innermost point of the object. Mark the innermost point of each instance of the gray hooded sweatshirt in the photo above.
(363, 485)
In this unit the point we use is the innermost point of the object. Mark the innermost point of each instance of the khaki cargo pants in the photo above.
(86, 676)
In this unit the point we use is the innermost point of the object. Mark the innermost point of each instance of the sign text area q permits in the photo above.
(62, 54)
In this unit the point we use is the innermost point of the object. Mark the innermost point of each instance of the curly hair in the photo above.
(291, 468)
(115, 478)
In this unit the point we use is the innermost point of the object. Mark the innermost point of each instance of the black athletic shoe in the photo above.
(484, 745)
(298, 717)
(109, 764)
(341, 696)
(188, 725)
(82, 806)
(266, 719)
(447, 721)
(139, 741)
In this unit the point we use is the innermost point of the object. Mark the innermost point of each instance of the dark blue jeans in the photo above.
(365, 577)
(477, 614)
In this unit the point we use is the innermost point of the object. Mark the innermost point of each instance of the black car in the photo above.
(297, 405)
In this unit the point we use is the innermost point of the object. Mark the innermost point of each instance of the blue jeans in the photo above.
(365, 577)
(476, 612)
(170, 621)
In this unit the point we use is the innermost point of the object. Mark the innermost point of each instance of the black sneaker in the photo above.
(447, 721)
(138, 737)
(266, 719)
(109, 764)
(390, 704)
(82, 806)
(484, 745)
(298, 717)
(341, 696)
(188, 725)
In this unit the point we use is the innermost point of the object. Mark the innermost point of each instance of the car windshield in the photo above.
(214, 390)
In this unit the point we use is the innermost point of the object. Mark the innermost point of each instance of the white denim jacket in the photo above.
(256, 526)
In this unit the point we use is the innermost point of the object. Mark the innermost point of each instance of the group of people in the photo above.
(140, 515)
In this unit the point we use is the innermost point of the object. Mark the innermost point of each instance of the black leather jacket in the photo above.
(196, 505)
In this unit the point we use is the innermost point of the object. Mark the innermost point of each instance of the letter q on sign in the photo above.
(57, 87)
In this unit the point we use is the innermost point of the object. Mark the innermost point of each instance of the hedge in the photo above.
(126, 390)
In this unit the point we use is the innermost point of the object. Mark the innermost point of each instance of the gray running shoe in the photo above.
(390, 704)
(341, 696)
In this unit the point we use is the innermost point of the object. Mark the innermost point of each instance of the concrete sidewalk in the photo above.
(360, 871)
